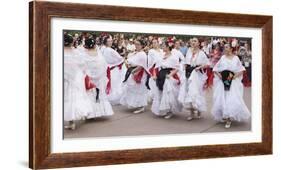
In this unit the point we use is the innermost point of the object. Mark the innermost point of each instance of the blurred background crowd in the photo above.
(213, 47)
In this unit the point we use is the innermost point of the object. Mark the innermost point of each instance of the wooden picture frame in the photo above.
(40, 14)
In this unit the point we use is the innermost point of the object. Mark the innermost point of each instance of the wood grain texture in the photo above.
(40, 14)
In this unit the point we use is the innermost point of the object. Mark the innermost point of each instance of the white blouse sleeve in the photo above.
(176, 63)
(116, 57)
(151, 58)
(205, 60)
(239, 66)
(217, 66)
(187, 58)
(182, 57)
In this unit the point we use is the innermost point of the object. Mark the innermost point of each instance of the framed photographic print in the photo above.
(115, 85)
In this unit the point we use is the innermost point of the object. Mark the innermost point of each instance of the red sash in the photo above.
(210, 78)
(88, 83)
(176, 77)
(108, 74)
(151, 70)
(108, 86)
(138, 76)
(246, 80)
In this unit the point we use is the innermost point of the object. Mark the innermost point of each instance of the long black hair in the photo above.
(104, 41)
(90, 43)
(67, 39)
(142, 42)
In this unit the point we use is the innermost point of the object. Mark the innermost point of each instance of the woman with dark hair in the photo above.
(155, 54)
(76, 102)
(135, 90)
(192, 93)
(96, 80)
(114, 71)
(176, 51)
(167, 80)
(228, 100)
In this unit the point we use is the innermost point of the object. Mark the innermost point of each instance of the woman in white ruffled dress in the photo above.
(114, 71)
(135, 88)
(176, 51)
(76, 102)
(192, 93)
(155, 55)
(96, 70)
(228, 103)
(167, 80)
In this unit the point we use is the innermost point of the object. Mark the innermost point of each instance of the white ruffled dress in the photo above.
(229, 104)
(181, 57)
(135, 94)
(166, 101)
(192, 93)
(96, 69)
(113, 59)
(154, 57)
(76, 102)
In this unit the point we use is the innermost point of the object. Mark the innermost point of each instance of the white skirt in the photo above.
(100, 108)
(166, 101)
(153, 89)
(192, 93)
(76, 101)
(229, 104)
(134, 94)
(116, 85)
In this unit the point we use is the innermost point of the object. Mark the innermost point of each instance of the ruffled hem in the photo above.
(192, 94)
(166, 101)
(100, 109)
(76, 105)
(229, 104)
(241, 116)
(74, 115)
(134, 95)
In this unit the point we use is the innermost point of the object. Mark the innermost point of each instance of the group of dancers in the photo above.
(97, 77)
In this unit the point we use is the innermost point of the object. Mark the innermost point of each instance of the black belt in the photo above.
(189, 69)
(227, 79)
(98, 94)
(160, 80)
(128, 73)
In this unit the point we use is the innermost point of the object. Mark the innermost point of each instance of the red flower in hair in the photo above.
(170, 40)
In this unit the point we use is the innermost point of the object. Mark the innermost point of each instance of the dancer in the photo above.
(165, 101)
(155, 55)
(176, 52)
(96, 80)
(114, 71)
(135, 90)
(192, 94)
(228, 100)
(76, 102)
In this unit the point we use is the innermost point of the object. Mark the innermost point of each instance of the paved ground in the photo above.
(125, 123)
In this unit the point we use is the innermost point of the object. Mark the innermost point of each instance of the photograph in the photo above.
(136, 84)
